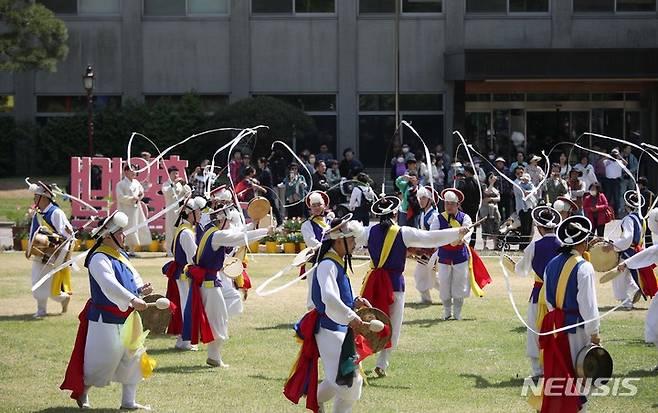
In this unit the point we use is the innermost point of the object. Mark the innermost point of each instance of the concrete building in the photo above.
(498, 70)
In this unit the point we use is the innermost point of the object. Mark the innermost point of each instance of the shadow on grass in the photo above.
(630, 342)
(420, 306)
(74, 407)
(482, 383)
(183, 369)
(19, 317)
(168, 350)
(519, 329)
(429, 322)
(610, 307)
(378, 383)
(285, 326)
(649, 372)
(261, 377)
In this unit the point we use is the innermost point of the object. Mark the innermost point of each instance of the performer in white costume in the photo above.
(426, 259)
(535, 258)
(314, 227)
(173, 190)
(206, 307)
(129, 193)
(49, 216)
(99, 356)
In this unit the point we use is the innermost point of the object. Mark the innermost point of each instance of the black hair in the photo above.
(317, 164)
(347, 150)
(249, 170)
(386, 222)
(519, 167)
(564, 249)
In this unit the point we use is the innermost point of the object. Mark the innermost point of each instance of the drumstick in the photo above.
(477, 223)
(161, 303)
(375, 326)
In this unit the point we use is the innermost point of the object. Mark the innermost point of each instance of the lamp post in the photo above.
(88, 83)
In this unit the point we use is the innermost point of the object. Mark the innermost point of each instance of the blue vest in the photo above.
(47, 216)
(207, 258)
(345, 289)
(546, 249)
(179, 256)
(397, 258)
(448, 254)
(425, 222)
(551, 277)
(317, 230)
(125, 277)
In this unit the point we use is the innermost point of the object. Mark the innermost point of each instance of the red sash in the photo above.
(74, 377)
(378, 290)
(200, 322)
(176, 323)
(303, 379)
(558, 364)
(647, 278)
(480, 272)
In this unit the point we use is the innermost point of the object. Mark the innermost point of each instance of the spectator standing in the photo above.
(407, 185)
(441, 154)
(333, 173)
(248, 187)
(632, 164)
(595, 206)
(535, 172)
(470, 187)
(564, 165)
(235, 166)
(319, 177)
(577, 188)
(399, 166)
(265, 179)
(524, 207)
(555, 186)
(324, 154)
(505, 188)
(406, 153)
(295, 190)
(587, 170)
(520, 161)
(613, 182)
(349, 167)
(489, 209)
(362, 198)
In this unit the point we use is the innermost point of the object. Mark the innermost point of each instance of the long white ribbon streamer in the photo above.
(427, 153)
(468, 148)
(297, 279)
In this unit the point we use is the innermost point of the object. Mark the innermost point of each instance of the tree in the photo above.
(31, 37)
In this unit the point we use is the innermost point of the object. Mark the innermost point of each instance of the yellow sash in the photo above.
(112, 252)
(386, 251)
(471, 274)
(452, 221)
(180, 229)
(320, 221)
(202, 243)
(562, 282)
(332, 255)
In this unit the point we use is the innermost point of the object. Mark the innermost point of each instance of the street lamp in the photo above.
(88, 84)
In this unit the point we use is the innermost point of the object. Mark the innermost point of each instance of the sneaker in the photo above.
(380, 372)
(135, 406)
(216, 363)
(83, 403)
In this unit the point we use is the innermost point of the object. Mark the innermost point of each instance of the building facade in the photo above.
(500, 71)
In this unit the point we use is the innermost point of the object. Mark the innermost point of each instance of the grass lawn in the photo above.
(474, 365)
(15, 199)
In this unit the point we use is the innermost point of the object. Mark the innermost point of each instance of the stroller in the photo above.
(509, 232)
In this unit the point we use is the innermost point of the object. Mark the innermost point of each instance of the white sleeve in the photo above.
(643, 258)
(362, 240)
(100, 268)
(436, 223)
(355, 200)
(417, 238)
(335, 309)
(524, 266)
(125, 198)
(626, 239)
(465, 223)
(61, 223)
(309, 235)
(228, 238)
(188, 243)
(587, 302)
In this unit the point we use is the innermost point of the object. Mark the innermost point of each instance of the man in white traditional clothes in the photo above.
(426, 258)
(314, 227)
(99, 355)
(387, 244)
(626, 285)
(644, 259)
(570, 296)
(326, 330)
(535, 258)
(453, 266)
(48, 218)
(173, 190)
(183, 252)
(129, 193)
(206, 307)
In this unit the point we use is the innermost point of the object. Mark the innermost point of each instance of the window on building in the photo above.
(210, 103)
(83, 7)
(292, 6)
(422, 6)
(271, 6)
(315, 6)
(63, 105)
(377, 123)
(507, 6)
(185, 7)
(587, 6)
(636, 5)
(376, 6)
(6, 103)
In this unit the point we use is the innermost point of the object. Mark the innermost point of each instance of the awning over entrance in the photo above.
(508, 64)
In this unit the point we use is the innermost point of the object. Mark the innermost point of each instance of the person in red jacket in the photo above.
(595, 206)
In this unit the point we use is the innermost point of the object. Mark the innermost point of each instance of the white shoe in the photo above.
(216, 363)
(65, 304)
(135, 406)
(83, 403)
(186, 346)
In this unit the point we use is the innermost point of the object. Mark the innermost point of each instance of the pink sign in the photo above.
(108, 172)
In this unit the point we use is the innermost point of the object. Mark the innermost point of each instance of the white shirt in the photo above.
(357, 193)
(589, 177)
(644, 258)
(612, 169)
(586, 297)
(524, 266)
(465, 223)
(309, 235)
(188, 243)
(431, 219)
(235, 238)
(626, 239)
(174, 191)
(59, 221)
(417, 238)
(335, 309)
(100, 268)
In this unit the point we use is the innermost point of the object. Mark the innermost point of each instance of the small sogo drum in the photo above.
(154, 319)
(594, 362)
(376, 341)
(258, 208)
(232, 267)
(602, 260)
(43, 244)
(421, 255)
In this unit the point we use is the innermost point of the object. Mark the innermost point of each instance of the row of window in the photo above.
(552, 97)
(288, 7)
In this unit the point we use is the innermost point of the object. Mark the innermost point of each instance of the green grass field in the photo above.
(473, 365)
(15, 199)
